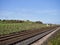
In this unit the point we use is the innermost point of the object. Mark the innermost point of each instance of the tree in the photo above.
(0, 19)
(39, 22)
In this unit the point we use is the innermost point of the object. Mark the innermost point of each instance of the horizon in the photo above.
(47, 11)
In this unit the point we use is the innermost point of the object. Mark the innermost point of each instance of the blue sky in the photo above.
(47, 11)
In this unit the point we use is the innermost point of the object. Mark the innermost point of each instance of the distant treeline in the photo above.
(19, 21)
(12, 21)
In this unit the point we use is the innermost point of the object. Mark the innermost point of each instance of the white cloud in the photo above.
(27, 13)
(38, 12)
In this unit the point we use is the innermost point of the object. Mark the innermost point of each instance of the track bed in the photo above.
(23, 35)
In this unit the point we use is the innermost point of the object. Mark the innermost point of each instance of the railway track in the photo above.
(25, 37)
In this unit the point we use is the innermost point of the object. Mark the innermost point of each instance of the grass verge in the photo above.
(55, 40)
(6, 28)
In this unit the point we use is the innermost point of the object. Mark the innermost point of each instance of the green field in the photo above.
(6, 28)
(55, 40)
